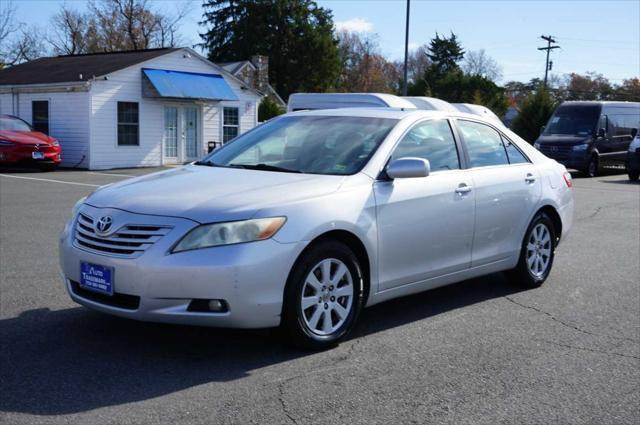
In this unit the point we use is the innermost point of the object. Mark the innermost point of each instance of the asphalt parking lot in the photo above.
(479, 352)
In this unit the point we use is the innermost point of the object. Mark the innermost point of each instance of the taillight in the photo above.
(567, 179)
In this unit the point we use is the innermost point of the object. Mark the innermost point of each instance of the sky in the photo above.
(601, 36)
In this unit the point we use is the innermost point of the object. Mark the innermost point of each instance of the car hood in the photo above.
(561, 139)
(25, 137)
(210, 194)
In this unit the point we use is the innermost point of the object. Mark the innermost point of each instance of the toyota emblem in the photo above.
(104, 224)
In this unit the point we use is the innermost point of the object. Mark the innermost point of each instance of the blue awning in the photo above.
(186, 85)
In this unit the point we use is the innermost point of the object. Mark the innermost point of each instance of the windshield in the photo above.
(13, 124)
(574, 120)
(306, 144)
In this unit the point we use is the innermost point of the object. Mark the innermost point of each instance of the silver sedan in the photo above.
(307, 219)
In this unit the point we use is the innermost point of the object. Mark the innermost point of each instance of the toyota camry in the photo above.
(305, 220)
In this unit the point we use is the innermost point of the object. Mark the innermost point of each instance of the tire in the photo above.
(633, 175)
(593, 167)
(535, 243)
(327, 313)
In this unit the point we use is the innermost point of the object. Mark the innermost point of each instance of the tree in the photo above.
(629, 90)
(69, 30)
(364, 68)
(268, 109)
(591, 86)
(535, 111)
(296, 35)
(479, 63)
(444, 54)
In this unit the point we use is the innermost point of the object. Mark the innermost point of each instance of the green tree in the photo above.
(268, 109)
(535, 111)
(444, 54)
(296, 35)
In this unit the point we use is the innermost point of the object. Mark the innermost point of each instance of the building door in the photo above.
(181, 134)
(170, 135)
(190, 133)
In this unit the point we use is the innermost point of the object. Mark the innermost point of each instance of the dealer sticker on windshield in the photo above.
(96, 278)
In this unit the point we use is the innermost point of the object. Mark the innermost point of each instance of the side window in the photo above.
(514, 154)
(432, 140)
(484, 144)
(40, 115)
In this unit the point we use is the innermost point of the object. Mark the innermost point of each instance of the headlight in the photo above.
(77, 206)
(581, 147)
(55, 143)
(536, 145)
(233, 232)
(6, 143)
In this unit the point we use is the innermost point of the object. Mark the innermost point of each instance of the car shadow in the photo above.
(624, 181)
(75, 360)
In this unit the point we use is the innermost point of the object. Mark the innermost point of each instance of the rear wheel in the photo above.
(324, 296)
(536, 254)
(593, 168)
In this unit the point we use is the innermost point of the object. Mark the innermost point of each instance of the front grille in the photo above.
(556, 151)
(128, 241)
(125, 301)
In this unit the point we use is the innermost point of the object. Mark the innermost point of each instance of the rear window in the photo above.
(574, 120)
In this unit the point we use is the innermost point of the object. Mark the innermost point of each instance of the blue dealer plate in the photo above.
(96, 278)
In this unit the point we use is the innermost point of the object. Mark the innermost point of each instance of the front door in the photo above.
(181, 134)
(425, 225)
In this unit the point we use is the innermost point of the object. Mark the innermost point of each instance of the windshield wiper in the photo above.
(265, 167)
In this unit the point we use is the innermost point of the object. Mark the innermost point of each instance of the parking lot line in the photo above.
(110, 174)
(50, 180)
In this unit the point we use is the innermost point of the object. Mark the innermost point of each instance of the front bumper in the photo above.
(249, 277)
(24, 154)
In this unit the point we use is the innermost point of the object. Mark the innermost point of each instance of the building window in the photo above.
(40, 115)
(128, 124)
(230, 123)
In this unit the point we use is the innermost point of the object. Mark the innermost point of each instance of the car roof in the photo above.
(393, 113)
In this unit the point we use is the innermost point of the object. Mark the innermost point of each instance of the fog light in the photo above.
(216, 305)
(208, 306)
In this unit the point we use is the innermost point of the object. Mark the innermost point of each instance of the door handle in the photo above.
(530, 178)
(463, 188)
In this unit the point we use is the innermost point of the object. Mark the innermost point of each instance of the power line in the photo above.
(549, 39)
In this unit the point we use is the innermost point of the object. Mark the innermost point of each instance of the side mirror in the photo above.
(404, 168)
(602, 133)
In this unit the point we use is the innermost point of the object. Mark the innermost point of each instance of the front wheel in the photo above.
(536, 254)
(323, 297)
(593, 167)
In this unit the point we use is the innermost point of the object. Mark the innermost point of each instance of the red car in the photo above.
(20, 143)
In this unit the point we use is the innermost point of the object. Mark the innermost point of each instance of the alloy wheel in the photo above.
(327, 296)
(539, 250)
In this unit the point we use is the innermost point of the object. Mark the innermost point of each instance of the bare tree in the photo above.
(68, 32)
(27, 46)
(479, 63)
(168, 26)
(364, 69)
(8, 26)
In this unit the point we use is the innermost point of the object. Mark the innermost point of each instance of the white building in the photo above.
(130, 109)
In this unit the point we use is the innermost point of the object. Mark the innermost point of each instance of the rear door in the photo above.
(507, 188)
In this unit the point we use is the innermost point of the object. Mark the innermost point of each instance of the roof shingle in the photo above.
(73, 68)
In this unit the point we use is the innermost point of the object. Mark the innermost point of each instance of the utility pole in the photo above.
(406, 51)
(549, 39)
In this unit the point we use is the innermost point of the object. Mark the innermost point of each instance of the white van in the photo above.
(313, 101)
